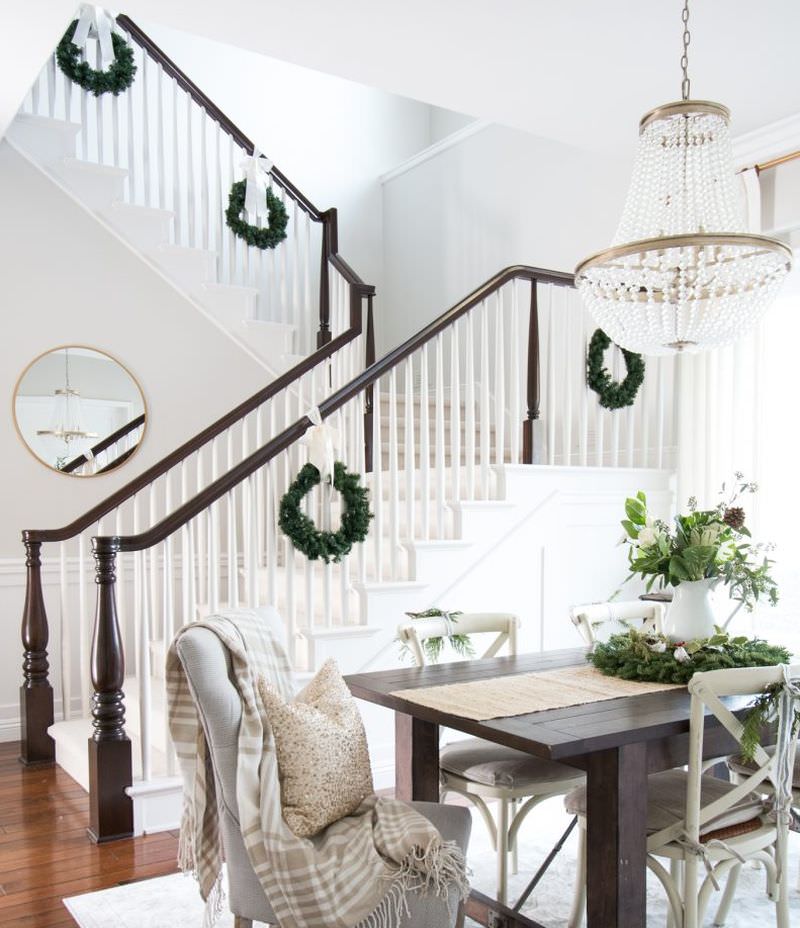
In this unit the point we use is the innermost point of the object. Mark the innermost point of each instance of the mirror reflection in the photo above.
(79, 411)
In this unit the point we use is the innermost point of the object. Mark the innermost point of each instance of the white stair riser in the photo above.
(230, 305)
(143, 227)
(188, 267)
(97, 186)
(47, 140)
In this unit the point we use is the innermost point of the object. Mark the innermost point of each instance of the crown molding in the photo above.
(770, 141)
(437, 148)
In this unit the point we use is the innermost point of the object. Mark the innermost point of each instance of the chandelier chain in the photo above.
(687, 38)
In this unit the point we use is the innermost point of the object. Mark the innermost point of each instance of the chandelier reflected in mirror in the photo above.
(681, 273)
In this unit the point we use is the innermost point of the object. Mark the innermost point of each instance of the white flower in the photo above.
(658, 646)
(623, 539)
(647, 537)
(681, 655)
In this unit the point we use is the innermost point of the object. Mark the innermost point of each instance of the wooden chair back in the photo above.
(707, 691)
(598, 621)
(416, 631)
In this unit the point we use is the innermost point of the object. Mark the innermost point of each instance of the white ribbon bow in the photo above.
(98, 22)
(256, 169)
(322, 441)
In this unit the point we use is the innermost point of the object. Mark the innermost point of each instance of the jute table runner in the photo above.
(522, 693)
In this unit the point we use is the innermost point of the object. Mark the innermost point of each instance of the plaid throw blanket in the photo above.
(358, 872)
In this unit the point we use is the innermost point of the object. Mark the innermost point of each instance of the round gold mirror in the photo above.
(79, 411)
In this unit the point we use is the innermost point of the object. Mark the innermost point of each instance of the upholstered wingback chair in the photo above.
(208, 669)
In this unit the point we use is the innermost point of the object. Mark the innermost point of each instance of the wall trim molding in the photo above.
(449, 141)
(770, 141)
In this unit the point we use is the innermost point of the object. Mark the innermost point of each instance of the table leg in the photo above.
(416, 758)
(617, 837)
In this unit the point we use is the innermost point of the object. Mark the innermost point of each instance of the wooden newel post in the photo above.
(329, 247)
(36, 693)
(532, 389)
(110, 768)
(368, 399)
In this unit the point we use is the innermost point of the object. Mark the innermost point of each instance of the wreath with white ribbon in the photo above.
(299, 528)
(115, 53)
(254, 197)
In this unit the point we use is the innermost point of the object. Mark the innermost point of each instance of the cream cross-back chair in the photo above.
(482, 771)
(598, 621)
(708, 828)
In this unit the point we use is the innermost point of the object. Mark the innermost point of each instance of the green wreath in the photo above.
(301, 531)
(613, 394)
(262, 238)
(117, 78)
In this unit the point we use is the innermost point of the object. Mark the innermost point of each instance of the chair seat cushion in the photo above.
(738, 764)
(495, 765)
(666, 802)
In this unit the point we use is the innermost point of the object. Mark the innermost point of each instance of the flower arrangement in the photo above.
(702, 544)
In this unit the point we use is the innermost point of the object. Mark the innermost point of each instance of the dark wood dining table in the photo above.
(617, 742)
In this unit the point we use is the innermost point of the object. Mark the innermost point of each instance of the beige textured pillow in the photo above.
(323, 761)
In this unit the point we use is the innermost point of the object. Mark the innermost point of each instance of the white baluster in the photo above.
(484, 422)
(440, 449)
(394, 481)
(144, 669)
(147, 167)
(550, 397)
(377, 481)
(99, 109)
(499, 379)
(66, 632)
(469, 405)
(85, 622)
(190, 181)
(455, 416)
(204, 183)
(178, 223)
(424, 446)
(409, 453)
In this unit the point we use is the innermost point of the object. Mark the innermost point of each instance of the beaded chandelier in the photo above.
(681, 274)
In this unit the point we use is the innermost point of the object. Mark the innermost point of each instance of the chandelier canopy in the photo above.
(682, 273)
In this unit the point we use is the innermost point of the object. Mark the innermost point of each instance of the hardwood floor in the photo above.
(45, 854)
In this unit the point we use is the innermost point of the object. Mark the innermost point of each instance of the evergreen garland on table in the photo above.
(301, 530)
(433, 647)
(117, 78)
(613, 394)
(652, 658)
(259, 237)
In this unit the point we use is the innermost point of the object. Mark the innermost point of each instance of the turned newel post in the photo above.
(110, 769)
(36, 693)
(368, 399)
(532, 392)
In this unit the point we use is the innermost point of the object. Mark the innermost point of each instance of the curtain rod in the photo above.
(783, 159)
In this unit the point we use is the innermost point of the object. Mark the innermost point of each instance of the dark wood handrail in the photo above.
(193, 444)
(222, 485)
(104, 443)
(143, 39)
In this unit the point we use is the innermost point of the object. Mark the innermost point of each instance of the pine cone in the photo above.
(734, 517)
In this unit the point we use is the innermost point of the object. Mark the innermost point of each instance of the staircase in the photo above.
(444, 431)
(155, 166)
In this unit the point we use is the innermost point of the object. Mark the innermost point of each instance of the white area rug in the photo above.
(173, 902)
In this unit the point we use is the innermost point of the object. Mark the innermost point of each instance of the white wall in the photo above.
(498, 197)
(332, 138)
(66, 280)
